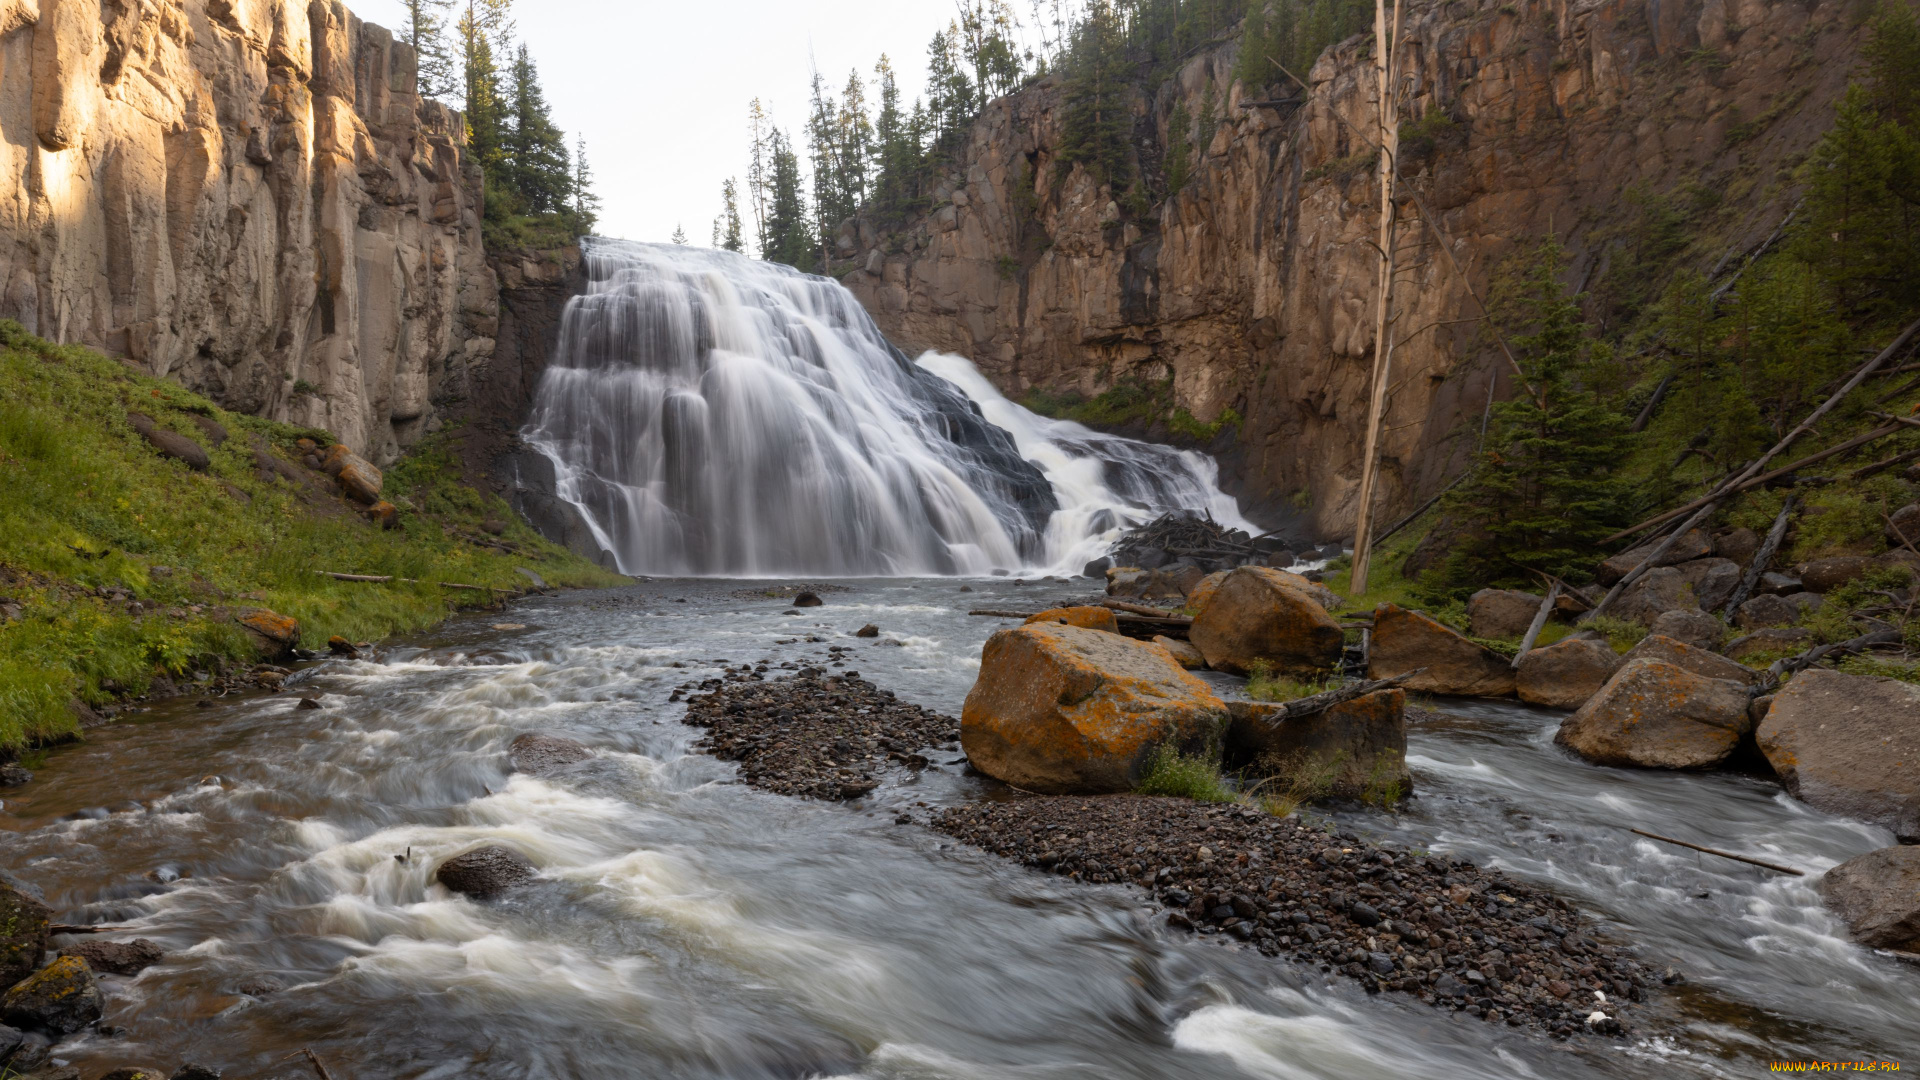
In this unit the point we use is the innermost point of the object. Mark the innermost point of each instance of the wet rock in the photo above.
(1878, 895)
(1657, 715)
(61, 998)
(1097, 569)
(1826, 575)
(23, 934)
(807, 599)
(868, 630)
(1773, 641)
(273, 635)
(1696, 544)
(309, 701)
(1183, 652)
(1086, 618)
(1766, 610)
(538, 753)
(1258, 615)
(1281, 560)
(117, 957)
(1846, 744)
(1691, 658)
(11, 1040)
(53, 1072)
(1404, 640)
(1712, 581)
(1566, 674)
(133, 1072)
(1690, 627)
(1059, 709)
(12, 775)
(1740, 545)
(485, 872)
(1501, 613)
(1354, 750)
(340, 646)
(191, 1071)
(1173, 582)
(259, 986)
(169, 443)
(1656, 593)
(1128, 581)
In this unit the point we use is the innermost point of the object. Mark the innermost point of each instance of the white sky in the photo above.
(660, 87)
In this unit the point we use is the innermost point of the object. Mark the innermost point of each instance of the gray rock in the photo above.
(1778, 584)
(170, 444)
(1771, 641)
(1656, 593)
(1691, 658)
(1712, 580)
(1501, 613)
(538, 753)
(61, 998)
(1693, 627)
(1696, 544)
(1657, 715)
(191, 1071)
(1878, 895)
(1766, 610)
(1905, 527)
(1826, 575)
(1846, 744)
(485, 872)
(117, 957)
(14, 776)
(1740, 545)
(1567, 673)
(23, 934)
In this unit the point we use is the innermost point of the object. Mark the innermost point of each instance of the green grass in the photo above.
(1179, 775)
(87, 507)
(1264, 685)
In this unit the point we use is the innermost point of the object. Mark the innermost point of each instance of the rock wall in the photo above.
(249, 197)
(1252, 287)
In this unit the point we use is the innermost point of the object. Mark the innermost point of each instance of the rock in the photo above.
(1128, 581)
(192, 1071)
(1059, 709)
(61, 998)
(1696, 544)
(1281, 559)
(1404, 640)
(1805, 603)
(357, 477)
(1826, 575)
(541, 583)
(1657, 715)
(133, 1072)
(1712, 581)
(1173, 582)
(1087, 618)
(215, 432)
(341, 647)
(1757, 708)
(273, 635)
(539, 753)
(1656, 593)
(1708, 665)
(1501, 613)
(1566, 674)
(1900, 560)
(1257, 615)
(1777, 584)
(1691, 627)
(868, 630)
(1209, 585)
(1767, 610)
(1878, 896)
(1097, 569)
(1740, 545)
(117, 957)
(10, 1041)
(1905, 526)
(484, 873)
(169, 443)
(806, 599)
(1770, 642)
(12, 775)
(1182, 652)
(23, 934)
(383, 515)
(1354, 750)
(1846, 744)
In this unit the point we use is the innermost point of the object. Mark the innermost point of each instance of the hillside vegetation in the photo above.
(119, 567)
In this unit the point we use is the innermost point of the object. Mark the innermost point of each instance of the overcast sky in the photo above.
(660, 87)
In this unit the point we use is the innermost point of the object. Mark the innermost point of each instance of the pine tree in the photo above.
(1179, 164)
(789, 235)
(535, 151)
(986, 35)
(759, 172)
(830, 200)
(586, 204)
(486, 114)
(679, 235)
(425, 31)
(896, 145)
(726, 227)
(950, 94)
(856, 142)
(1098, 115)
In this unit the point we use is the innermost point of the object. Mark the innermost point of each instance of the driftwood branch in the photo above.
(71, 928)
(1761, 559)
(1879, 467)
(1650, 561)
(1723, 854)
(1142, 609)
(1646, 413)
(381, 579)
(1539, 623)
(1317, 703)
(992, 613)
(1788, 665)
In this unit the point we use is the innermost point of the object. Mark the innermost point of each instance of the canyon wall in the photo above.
(1252, 288)
(249, 197)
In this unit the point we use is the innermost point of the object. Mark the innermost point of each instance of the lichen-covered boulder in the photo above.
(1566, 674)
(1878, 895)
(273, 634)
(1690, 627)
(1501, 613)
(1766, 610)
(1826, 575)
(1086, 618)
(23, 934)
(1656, 593)
(1712, 581)
(1354, 750)
(117, 957)
(1846, 744)
(1257, 615)
(1405, 640)
(358, 478)
(1657, 715)
(1695, 544)
(1182, 651)
(1063, 710)
(539, 753)
(61, 998)
(1692, 658)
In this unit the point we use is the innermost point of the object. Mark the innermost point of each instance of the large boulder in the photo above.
(358, 478)
(1182, 652)
(1878, 895)
(1086, 618)
(1904, 528)
(1712, 581)
(1766, 610)
(1826, 575)
(1709, 665)
(1657, 715)
(1696, 544)
(61, 998)
(1256, 614)
(170, 443)
(1696, 628)
(117, 957)
(273, 635)
(1209, 585)
(1566, 674)
(1501, 613)
(1656, 593)
(1062, 710)
(1770, 642)
(1846, 744)
(1404, 640)
(1740, 545)
(484, 873)
(23, 934)
(539, 753)
(1354, 750)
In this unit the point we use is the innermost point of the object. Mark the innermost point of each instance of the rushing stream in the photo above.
(687, 926)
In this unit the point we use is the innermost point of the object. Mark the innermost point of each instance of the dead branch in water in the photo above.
(1723, 854)
(1318, 703)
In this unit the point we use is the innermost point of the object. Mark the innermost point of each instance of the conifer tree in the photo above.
(831, 200)
(855, 136)
(760, 130)
(480, 26)
(679, 235)
(726, 227)
(986, 35)
(536, 164)
(586, 204)
(1179, 164)
(896, 147)
(950, 93)
(425, 31)
(1098, 117)
(789, 235)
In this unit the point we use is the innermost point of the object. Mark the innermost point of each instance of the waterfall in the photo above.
(710, 414)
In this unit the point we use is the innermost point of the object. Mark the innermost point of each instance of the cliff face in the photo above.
(247, 196)
(1252, 287)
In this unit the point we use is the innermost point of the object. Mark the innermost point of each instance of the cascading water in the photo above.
(708, 414)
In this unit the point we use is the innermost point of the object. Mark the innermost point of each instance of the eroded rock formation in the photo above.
(247, 196)
(1252, 287)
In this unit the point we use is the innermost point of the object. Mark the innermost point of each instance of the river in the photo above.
(688, 926)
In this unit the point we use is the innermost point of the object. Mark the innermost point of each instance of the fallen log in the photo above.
(381, 579)
(1761, 559)
(1649, 562)
(1318, 703)
(992, 613)
(1143, 609)
(1723, 854)
(72, 928)
(1539, 623)
(1788, 665)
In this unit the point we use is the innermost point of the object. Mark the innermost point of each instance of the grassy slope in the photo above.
(74, 475)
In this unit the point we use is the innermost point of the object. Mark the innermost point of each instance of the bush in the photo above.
(1186, 777)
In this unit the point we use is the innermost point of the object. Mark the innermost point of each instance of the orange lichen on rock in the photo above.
(1405, 641)
(1258, 614)
(1657, 715)
(1086, 618)
(1066, 710)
